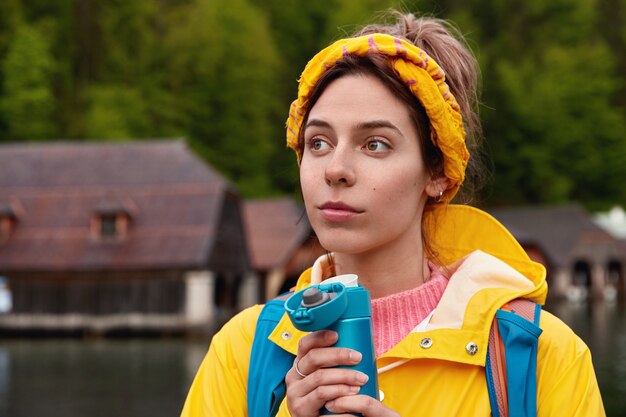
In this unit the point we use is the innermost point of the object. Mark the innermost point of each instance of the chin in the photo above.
(336, 243)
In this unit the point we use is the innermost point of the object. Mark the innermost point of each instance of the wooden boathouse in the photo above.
(281, 244)
(108, 236)
(582, 259)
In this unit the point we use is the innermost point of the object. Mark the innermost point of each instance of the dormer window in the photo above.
(110, 221)
(8, 221)
(108, 225)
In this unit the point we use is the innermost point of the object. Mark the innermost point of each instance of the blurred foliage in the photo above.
(222, 74)
(27, 102)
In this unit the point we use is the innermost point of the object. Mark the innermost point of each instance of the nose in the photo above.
(340, 169)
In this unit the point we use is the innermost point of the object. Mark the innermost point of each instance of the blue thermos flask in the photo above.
(340, 304)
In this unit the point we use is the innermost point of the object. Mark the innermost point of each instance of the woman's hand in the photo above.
(322, 382)
(362, 404)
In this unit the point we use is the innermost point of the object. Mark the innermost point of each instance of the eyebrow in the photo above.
(316, 123)
(375, 124)
(372, 124)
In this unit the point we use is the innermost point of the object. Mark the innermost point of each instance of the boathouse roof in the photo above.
(275, 229)
(563, 232)
(109, 206)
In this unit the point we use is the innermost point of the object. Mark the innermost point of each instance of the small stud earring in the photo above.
(439, 197)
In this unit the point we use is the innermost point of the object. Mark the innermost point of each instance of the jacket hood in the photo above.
(456, 231)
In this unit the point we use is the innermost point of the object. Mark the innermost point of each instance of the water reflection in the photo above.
(5, 363)
(602, 325)
(97, 378)
(150, 377)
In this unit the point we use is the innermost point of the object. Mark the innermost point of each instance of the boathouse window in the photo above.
(110, 222)
(8, 221)
(108, 225)
(5, 228)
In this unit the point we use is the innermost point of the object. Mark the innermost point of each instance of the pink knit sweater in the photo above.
(395, 315)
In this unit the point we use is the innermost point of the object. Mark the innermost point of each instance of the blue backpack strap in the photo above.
(512, 360)
(268, 363)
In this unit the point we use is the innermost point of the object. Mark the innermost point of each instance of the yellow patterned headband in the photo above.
(419, 72)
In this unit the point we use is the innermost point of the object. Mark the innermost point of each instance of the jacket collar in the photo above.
(487, 269)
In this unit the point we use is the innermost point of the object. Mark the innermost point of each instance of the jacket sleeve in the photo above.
(219, 388)
(566, 381)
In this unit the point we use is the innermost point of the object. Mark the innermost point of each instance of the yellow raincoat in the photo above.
(444, 379)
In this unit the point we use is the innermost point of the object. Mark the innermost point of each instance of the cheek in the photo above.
(309, 181)
(404, 186)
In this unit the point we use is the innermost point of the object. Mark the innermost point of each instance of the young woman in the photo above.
(381, 127)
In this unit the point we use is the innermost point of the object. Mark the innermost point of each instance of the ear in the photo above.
(436, 186)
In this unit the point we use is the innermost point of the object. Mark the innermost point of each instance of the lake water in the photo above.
(150, 377)
(98, 378)
(603, 327)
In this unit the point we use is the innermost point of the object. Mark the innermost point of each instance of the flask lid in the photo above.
(313, 297)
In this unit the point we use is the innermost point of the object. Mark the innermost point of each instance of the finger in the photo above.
(362, 404)
(321, 339)
(311, 403)
(327, 357)
(326, 377)
(311, 341)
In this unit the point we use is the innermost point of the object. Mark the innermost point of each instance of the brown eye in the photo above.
(377, 146)
(317, 144)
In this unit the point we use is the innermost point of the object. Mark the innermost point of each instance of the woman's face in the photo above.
(363, 180)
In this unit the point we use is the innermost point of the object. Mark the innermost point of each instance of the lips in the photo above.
(336, 211)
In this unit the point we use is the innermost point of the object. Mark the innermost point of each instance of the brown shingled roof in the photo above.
(174, 201)
(275, 228)
(76, 164)
(557, 229)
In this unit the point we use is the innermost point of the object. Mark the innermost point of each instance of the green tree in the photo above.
(562, 139)
(222, 75)
(611, 23)
(554, 131)
(297, 30)
(28, 101)
(118, 102)
(549, 83)
(114, 112)
(10, 18)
